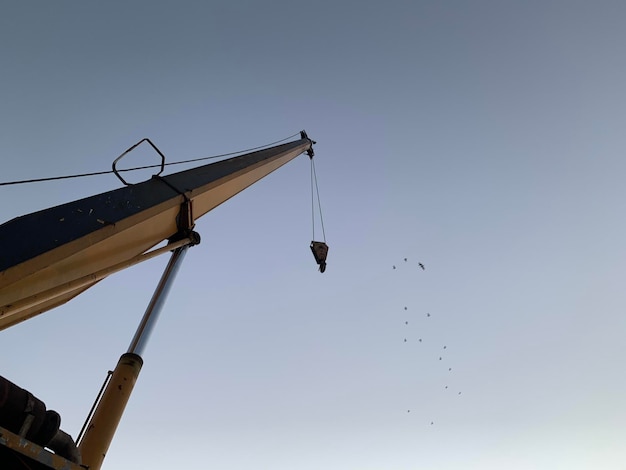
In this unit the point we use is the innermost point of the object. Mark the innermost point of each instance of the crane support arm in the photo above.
(58, 245)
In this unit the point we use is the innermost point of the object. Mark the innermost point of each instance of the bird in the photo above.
(405, 260)
(405, 340)
(405, 308)
(459, 393)
(446, 386)
(406, 322)
(421, 265)
(449, 368)
(432, 422)
(440, 358)
(445, 347)
(394, 266)
(420, 340)
(428, 314)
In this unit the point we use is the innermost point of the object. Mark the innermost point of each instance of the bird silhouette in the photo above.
(445, 347)
(421, 266)
(405, 308)
(405, 260)
(394, 267)
(406, 322)
(428, 314)
(420, 340)
(440, 358)
(449, 368)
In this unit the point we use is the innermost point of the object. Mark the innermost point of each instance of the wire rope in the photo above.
(319, 204)
(312, 203)
(97, 173)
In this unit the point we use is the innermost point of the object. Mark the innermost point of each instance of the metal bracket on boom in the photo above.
(184, 220)
(116, 171)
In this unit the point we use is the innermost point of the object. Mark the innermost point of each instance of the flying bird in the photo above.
(421, 266)
(405, 260)
(428, 314)
(440, 358)
(445, 347)
(404, 308)
(420, 340)
(449, 368)
(394, 266)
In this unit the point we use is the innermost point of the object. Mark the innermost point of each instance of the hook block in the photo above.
(320, 252)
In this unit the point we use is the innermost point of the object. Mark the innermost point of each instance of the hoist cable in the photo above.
(312, 202)
(319, 204)
(96, 173)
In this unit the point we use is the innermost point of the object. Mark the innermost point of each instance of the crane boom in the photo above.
(60, 245)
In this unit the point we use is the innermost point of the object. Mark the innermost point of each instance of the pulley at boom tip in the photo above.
(310, 151)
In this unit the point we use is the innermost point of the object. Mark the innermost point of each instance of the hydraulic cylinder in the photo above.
(101, 428)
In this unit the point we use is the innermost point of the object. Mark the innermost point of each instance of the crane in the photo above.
(53, 255)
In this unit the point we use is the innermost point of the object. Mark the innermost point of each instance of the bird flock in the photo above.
(441, 357)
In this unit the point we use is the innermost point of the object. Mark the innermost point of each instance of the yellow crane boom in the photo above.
(53, 255)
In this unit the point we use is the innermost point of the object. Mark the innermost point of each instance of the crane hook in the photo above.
(320, 252)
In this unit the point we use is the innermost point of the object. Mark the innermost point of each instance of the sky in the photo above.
(484, 139)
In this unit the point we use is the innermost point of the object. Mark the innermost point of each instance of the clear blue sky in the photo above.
(484, 139)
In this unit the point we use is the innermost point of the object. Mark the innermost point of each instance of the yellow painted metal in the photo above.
(28, 452)
(90, 279)
(101, 428)
(117, 243)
